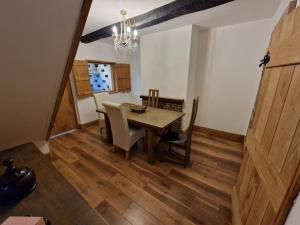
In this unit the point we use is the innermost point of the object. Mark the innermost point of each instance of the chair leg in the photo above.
(145, 145)
(127, 155)
(157, 146)
(115, 148)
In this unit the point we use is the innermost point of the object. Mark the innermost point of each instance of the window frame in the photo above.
(113, 89)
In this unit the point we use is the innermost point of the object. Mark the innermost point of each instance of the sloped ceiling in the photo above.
(35, 39)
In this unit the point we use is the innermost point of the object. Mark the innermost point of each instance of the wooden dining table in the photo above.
(152, 119)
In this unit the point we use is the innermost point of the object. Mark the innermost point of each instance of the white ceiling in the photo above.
(105, 12)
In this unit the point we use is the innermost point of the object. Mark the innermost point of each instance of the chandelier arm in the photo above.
(126, 39)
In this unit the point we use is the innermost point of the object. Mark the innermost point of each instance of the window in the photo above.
(96, 76)
(100, 77)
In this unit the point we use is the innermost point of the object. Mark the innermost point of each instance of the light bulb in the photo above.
(135, 33)
(128, 29)
(115, 30)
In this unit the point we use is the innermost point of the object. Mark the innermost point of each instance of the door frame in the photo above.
(85, 8)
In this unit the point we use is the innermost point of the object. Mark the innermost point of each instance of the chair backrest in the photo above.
(192, 122)
(153, 98)
(99, 98)
(118, 122)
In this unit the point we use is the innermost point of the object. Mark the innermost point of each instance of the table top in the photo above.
(53, 198)
(153, 117)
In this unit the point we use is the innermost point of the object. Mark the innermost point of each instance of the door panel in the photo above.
(272, 148)
(277, 106)
(66, 118)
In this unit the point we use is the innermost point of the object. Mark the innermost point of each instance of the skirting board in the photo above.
(220, 134)
(85, 125)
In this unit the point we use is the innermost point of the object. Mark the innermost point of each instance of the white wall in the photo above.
(168, 64)
(165, 62)
(192, 75)
(228, 75)
(86, 109)
(34, 45)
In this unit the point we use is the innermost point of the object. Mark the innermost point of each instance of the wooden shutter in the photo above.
(122, 77)
(269, 173)
(82, 78)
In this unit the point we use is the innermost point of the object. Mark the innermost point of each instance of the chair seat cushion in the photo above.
(135, 134)
(175, 138)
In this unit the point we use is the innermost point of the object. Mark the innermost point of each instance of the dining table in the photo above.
(153, 119)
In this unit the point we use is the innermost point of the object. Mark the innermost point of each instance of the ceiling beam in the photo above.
(156, 16)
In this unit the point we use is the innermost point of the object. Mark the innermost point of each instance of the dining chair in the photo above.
(153, 98)
(124, 136)
(98, 99)
(181, 141)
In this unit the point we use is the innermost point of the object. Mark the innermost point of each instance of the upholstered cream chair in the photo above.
(124, 137)
(99, 98)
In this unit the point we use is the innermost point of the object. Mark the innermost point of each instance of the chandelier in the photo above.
(126, 39)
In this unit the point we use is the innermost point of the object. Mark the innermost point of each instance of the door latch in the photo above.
(265, 60)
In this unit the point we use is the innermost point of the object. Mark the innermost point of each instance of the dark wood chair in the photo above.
(179, 144)
(153, 98)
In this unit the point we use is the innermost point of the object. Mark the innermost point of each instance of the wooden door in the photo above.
(270, 169)
(66, 118)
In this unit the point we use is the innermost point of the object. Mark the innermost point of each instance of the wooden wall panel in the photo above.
(236, 218)
(287, 26)
(293, 158)
(251, 190)
(267, 102)
(277, 105)
(286, 51)
(258, 207)
(245, 180)
(269, 215)
(269, 174)
(296, 26)
(287, 123)
(260, 96)
(242, 171)
(267, 171)
(276, 33)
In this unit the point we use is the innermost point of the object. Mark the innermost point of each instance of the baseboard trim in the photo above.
(85, 125)
(220, 134)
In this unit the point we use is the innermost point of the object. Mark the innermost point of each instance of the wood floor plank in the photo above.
(62, 152)
(216, 153)
(111, 193)
(133, 192)
(137, 215)
(89, 194)
(149, 202)
(110, 214)
(177, 184)
(218, 142)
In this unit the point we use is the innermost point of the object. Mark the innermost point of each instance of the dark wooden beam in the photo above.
(158, 15)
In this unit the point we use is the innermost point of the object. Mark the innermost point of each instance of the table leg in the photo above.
(108, 129)
(151, 150)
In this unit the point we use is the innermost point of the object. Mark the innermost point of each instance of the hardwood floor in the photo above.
(133, 192)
